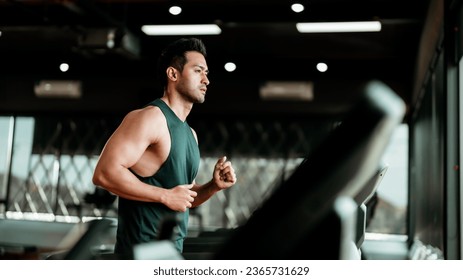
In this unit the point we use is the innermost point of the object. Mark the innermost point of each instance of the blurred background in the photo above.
(70, 71)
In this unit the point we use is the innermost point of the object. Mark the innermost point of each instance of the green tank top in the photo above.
(139, 222)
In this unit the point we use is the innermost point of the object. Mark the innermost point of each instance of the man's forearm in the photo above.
(205, 192)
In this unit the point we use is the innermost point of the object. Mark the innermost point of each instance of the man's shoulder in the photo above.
(148, 113)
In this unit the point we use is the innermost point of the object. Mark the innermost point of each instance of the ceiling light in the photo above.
(322, 67)
(175, 10)
(297, 8)
(190, 29)
(326, 27)
(64, 67)
(230, 66)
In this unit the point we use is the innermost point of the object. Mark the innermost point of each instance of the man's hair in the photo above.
(174, 55)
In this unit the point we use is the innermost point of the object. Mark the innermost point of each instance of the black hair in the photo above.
(174, 55)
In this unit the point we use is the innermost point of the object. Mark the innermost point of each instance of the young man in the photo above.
(152, 158)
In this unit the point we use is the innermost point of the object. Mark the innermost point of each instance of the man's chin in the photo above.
(201, 100)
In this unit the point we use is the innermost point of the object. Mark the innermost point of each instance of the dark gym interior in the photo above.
(256, 115)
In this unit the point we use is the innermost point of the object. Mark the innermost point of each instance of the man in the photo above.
(152, 158)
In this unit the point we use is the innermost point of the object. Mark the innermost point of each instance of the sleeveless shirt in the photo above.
(140, 222)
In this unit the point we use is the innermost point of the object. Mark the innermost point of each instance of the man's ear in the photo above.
(172, 73)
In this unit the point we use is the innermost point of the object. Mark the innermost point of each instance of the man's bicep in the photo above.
(128, 143)
(127, 149)
(133, 136)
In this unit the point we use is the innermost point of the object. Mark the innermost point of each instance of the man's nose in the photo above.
(206, 80)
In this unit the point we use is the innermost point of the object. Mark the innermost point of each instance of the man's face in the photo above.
(193, 81)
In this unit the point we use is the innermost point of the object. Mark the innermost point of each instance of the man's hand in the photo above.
(224, 174)
(179, 198)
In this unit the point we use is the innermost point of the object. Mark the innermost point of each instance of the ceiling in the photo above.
(259, 36)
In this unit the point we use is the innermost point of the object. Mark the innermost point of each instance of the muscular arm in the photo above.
(124, 149)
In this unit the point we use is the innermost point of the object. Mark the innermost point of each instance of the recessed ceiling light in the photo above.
(230, 66)
(64, 67)
(297, 8)
(175, 10)
(322, 67)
